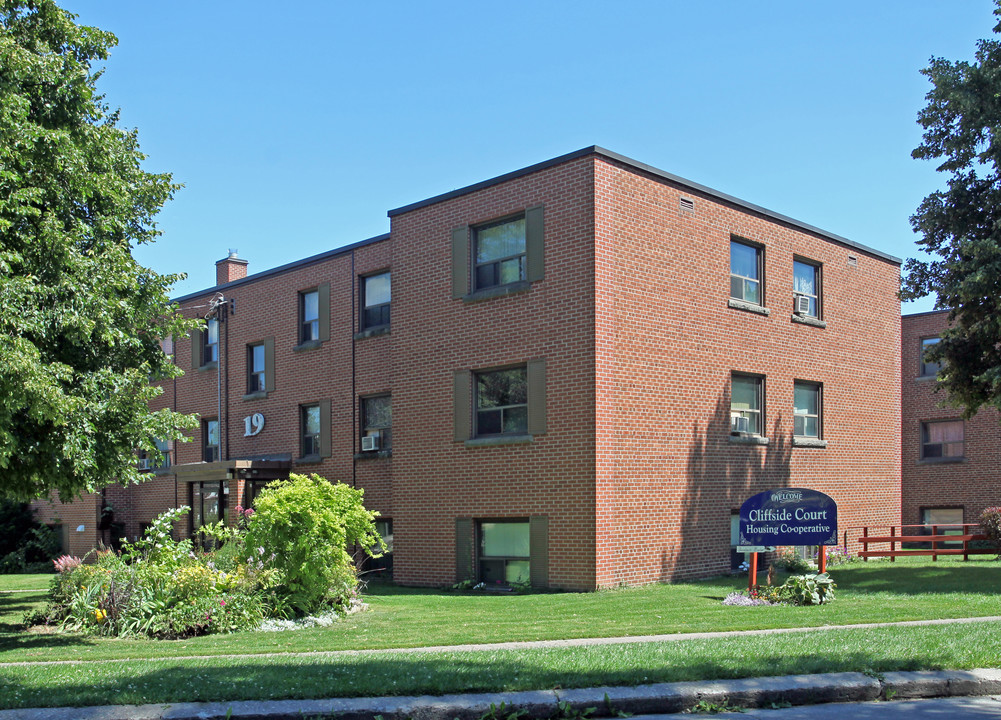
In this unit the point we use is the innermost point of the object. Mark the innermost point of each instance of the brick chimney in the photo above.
(230, 268)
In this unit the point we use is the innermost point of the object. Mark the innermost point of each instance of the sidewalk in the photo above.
(606, 701)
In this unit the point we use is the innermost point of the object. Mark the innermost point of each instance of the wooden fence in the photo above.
(942, 539)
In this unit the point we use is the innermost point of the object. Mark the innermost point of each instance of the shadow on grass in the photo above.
(395, 676)
(904, 579)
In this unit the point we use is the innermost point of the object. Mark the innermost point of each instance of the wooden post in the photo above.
(865, 545)
(893, 544)
(752, 573)
(822, 553)
(934, 543)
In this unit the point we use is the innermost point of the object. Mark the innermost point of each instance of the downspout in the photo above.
(354, 394)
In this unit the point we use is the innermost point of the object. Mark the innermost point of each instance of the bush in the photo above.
(302, 529)
(158, 587)
(25, 544)
(837, 555)
(990, 521)
(789, 560)
(809, 589)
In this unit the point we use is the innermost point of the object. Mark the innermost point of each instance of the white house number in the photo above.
(253, 424)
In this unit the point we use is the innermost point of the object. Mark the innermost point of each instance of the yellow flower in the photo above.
(100, 615)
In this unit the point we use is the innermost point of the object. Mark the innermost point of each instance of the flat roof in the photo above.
(926, 312)
(643, 167)
(343, 250)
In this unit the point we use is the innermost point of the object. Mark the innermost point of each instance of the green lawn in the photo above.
(873, 592)
(26, 582)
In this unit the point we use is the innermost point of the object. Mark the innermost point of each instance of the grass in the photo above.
(38, 581)
(399, 618)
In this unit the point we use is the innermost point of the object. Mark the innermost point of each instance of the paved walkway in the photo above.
(531, 644)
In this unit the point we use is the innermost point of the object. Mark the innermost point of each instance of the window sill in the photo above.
(808, 320)
(748, 440)
(308, 345)
(209, 366)
(926, 378)
(498, 291)
(942, 460)
(808, 442)
(748, 307)
(377, 455)
(372, 332)
(309, 460)
(259, 395)
(500, 440)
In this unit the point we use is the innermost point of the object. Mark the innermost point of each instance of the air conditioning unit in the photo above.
(740, 424)
(370, 443)
(145, 464)
(802, 305)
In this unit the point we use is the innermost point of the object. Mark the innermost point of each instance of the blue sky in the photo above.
(295, 129)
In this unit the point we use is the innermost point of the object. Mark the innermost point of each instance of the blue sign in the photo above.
(789, 516)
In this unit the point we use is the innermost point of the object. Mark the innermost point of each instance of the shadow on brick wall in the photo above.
(721, 473)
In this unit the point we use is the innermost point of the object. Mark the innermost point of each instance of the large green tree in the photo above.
(961, 225)
(80, 319)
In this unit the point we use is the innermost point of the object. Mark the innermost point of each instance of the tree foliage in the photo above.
(961, 224)
(80, 319)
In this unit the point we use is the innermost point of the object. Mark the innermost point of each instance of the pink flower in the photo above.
(222, 603)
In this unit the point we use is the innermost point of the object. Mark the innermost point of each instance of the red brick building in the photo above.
(950, 467)
(588, 365)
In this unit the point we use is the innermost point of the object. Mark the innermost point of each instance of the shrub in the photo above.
(837, 555)
(25, 544)
(809, 589)
(789, 560)
(302, 529)
(990, 521)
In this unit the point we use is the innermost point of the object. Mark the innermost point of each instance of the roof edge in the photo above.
(294, 265)
(926, 312)
(643, 167)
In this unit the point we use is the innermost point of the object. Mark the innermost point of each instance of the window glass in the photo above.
(377, 420)
(744, 270)
(500, 253)
(309, 312)
(502, 402)
(942, 439)
(929, 368)
(806, 410)
(805, 284)
(210, 439)
(377, 294)
(942, 516)
(311, 430)
(256, 381)
(504, 552)
(210, 349)
(745, 405)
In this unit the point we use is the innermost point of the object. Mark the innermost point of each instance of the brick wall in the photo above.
(974, 481)
(668, 476)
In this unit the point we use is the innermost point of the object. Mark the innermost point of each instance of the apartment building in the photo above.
(950, 467)
(570, 375)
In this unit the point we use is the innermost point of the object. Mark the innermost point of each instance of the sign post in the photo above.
(787, 516)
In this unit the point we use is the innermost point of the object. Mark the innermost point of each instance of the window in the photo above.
(210, 440)
(806, 409)
(806, 284)
(746, 395)
(376, 292)
(929, 368)
(309, 316)
(942, 439)
(745, 272)
(149, 461)
(946, 521)
(256, 381)
(377, 423)
(504, 552)
(382, 566)
(499, 257)
(310, 426)
(504, 255)
(502, 402)
(210, 342)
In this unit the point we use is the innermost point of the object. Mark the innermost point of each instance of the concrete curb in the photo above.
(640, 700)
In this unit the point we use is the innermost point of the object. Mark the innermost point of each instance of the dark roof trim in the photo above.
(643, 167)
(343, 250)
(926, 312)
